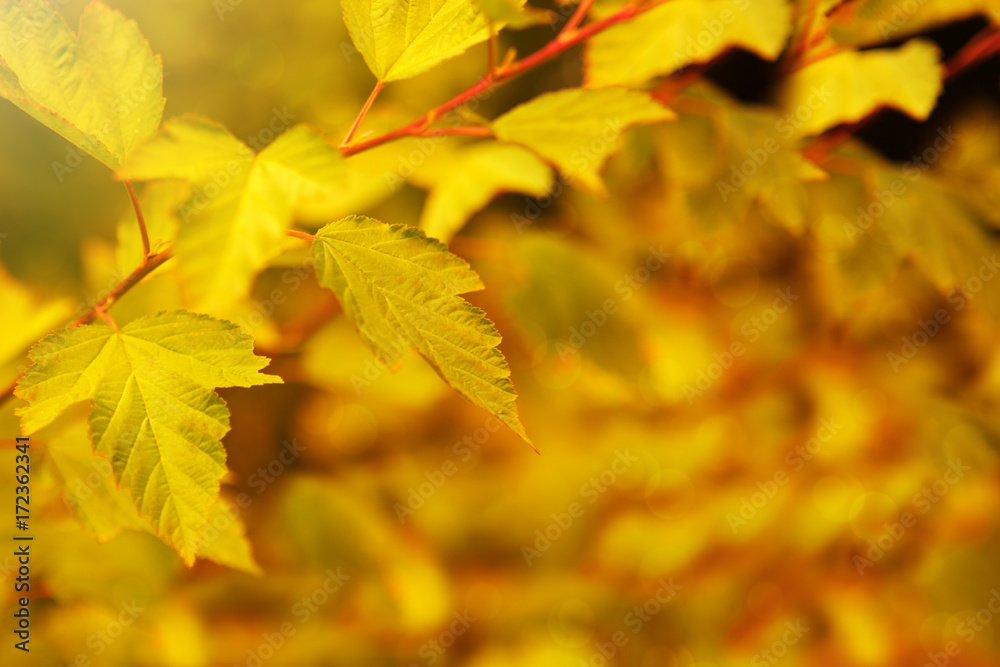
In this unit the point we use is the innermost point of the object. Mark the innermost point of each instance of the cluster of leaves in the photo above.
(222, 213)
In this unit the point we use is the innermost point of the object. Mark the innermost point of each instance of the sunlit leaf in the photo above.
(867, 22)
(681, 32)
(513, 14)
(402, 38)
(469, 180)
(849, 86)
(401, 289)
(577, 129)
(235, 222)
(154, 413)
(100, 89)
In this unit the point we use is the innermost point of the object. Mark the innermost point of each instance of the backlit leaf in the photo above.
(401, 289)
(473, 177)
(867, 22)
(154, 413)
(235, 222)
(402, 38)
(849, 86)
(681, 32)
(101, 89)
(577, 129)
(106, 510)
(513, 13)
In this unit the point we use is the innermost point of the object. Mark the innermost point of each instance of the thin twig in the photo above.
(464, 130)
(300, 235)
(502, 75)
(151, 264)
(141, 220)
(364, 112)
(980, 47)
(576, 19)
(104, 315)
(415, 128)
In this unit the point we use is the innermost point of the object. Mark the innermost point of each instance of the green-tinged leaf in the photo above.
(189, 148)
(101, 90)
(849, 86)
(154, 412)
(473, 177)
(106, 510)
(513, 14)
(90, 490)
(681, 32)
(401, 290)
(235, 222)
(868, 22)
(402, 38)
(577, 129)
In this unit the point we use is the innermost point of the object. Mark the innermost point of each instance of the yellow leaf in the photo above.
(155, 413)
(681, 32)
(868, 22)
(469, 180)
(402, 38)
(401, 290)
(849, 86)
(235, 222)
(513, 14)
(101, 90)
(577, 129)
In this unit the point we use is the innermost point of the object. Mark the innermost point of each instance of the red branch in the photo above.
(485, 85)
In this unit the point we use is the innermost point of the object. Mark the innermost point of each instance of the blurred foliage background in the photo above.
(695, 503)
